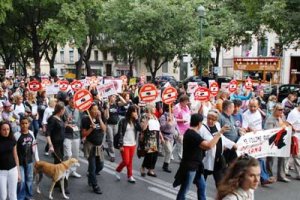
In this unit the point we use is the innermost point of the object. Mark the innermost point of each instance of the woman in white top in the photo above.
(214, 161)
(241, 179)
(127, 133)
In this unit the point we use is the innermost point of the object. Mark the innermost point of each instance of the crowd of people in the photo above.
(202, 135)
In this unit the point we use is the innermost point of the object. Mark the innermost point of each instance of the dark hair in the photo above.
(24, 118)
(196, 119)
(58, 107)
(237, 102)
(226, 104)
(130, 110)
(184, 98)
(11, 134)
(166, 108)
(235, 175)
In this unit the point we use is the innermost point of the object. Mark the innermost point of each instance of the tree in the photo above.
(5, 6)
(31, 18)
(153, 30)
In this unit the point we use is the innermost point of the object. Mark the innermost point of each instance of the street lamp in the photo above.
(201, 13)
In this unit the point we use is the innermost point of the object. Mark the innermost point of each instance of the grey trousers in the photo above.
(112, 130)
(281, 163)
(168, 148)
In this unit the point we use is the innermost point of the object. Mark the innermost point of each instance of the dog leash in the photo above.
(58, 158)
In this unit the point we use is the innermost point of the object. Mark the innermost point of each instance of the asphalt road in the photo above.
(147, 188)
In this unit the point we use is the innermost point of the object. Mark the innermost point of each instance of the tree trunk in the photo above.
(218, 50)
(79, 63)
(88, 56)
(88, 68)
(51, 54)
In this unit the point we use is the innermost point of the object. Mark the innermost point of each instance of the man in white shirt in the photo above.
(294, 120)
(252, 121)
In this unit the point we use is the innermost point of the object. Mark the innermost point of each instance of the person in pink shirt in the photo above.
(182, 114)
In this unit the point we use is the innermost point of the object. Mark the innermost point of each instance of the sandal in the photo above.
(151, 174)
(143, 173)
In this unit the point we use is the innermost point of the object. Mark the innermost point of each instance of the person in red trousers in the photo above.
(127, 134)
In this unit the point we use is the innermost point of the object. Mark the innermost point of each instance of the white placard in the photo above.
(191, 87)
(107, 90)
(153, 125)
(52, 89)
(117, 84)
(266, 143)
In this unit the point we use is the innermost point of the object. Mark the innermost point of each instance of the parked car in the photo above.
(193, 79)
(286, 89)
(162, 80)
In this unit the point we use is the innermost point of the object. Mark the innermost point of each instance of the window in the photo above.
(104, 55)
(247, 50)
(71, 55)
(262, 47)
(62, 56)
(96, 55)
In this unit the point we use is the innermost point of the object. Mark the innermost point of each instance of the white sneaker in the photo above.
(46, 154)
(118, 176)
(75, 174)
(131, 179)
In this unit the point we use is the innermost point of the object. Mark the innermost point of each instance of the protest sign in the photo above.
(272, 143)
(83, 100)
(52, 89)
(107, 90)
(117, 84)
(132, 81)
(191, 87)
(148, 93)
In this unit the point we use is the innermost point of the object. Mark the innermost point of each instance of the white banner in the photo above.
(272, 142)
(107, 89)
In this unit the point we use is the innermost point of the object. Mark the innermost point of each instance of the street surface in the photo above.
(146, 188)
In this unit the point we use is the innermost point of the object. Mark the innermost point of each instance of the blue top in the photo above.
(240, 97)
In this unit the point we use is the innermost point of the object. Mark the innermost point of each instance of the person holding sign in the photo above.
(276, 120)
(149, 140)
(168, 129)
(93, 131)
(112, 123)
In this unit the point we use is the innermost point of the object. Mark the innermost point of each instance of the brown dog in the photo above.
(54, 171)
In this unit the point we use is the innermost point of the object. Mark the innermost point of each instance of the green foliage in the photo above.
(5, 6)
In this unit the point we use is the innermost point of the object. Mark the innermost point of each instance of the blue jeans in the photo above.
(25, 187)
(198, 179)
(34, 127)
(264, 176)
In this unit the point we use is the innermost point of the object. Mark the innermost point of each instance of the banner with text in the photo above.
(272, 142)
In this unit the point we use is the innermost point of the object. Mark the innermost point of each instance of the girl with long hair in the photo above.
(9, 163)
(127, 130)
(241, 179)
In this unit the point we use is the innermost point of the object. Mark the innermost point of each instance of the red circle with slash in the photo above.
(63, 85)
(83, 100)
(34, 86)
(202, 94)
(233, 85)
(169, 95)
(248, 84)
(76, 85)
(214, 89)
(148, 93)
